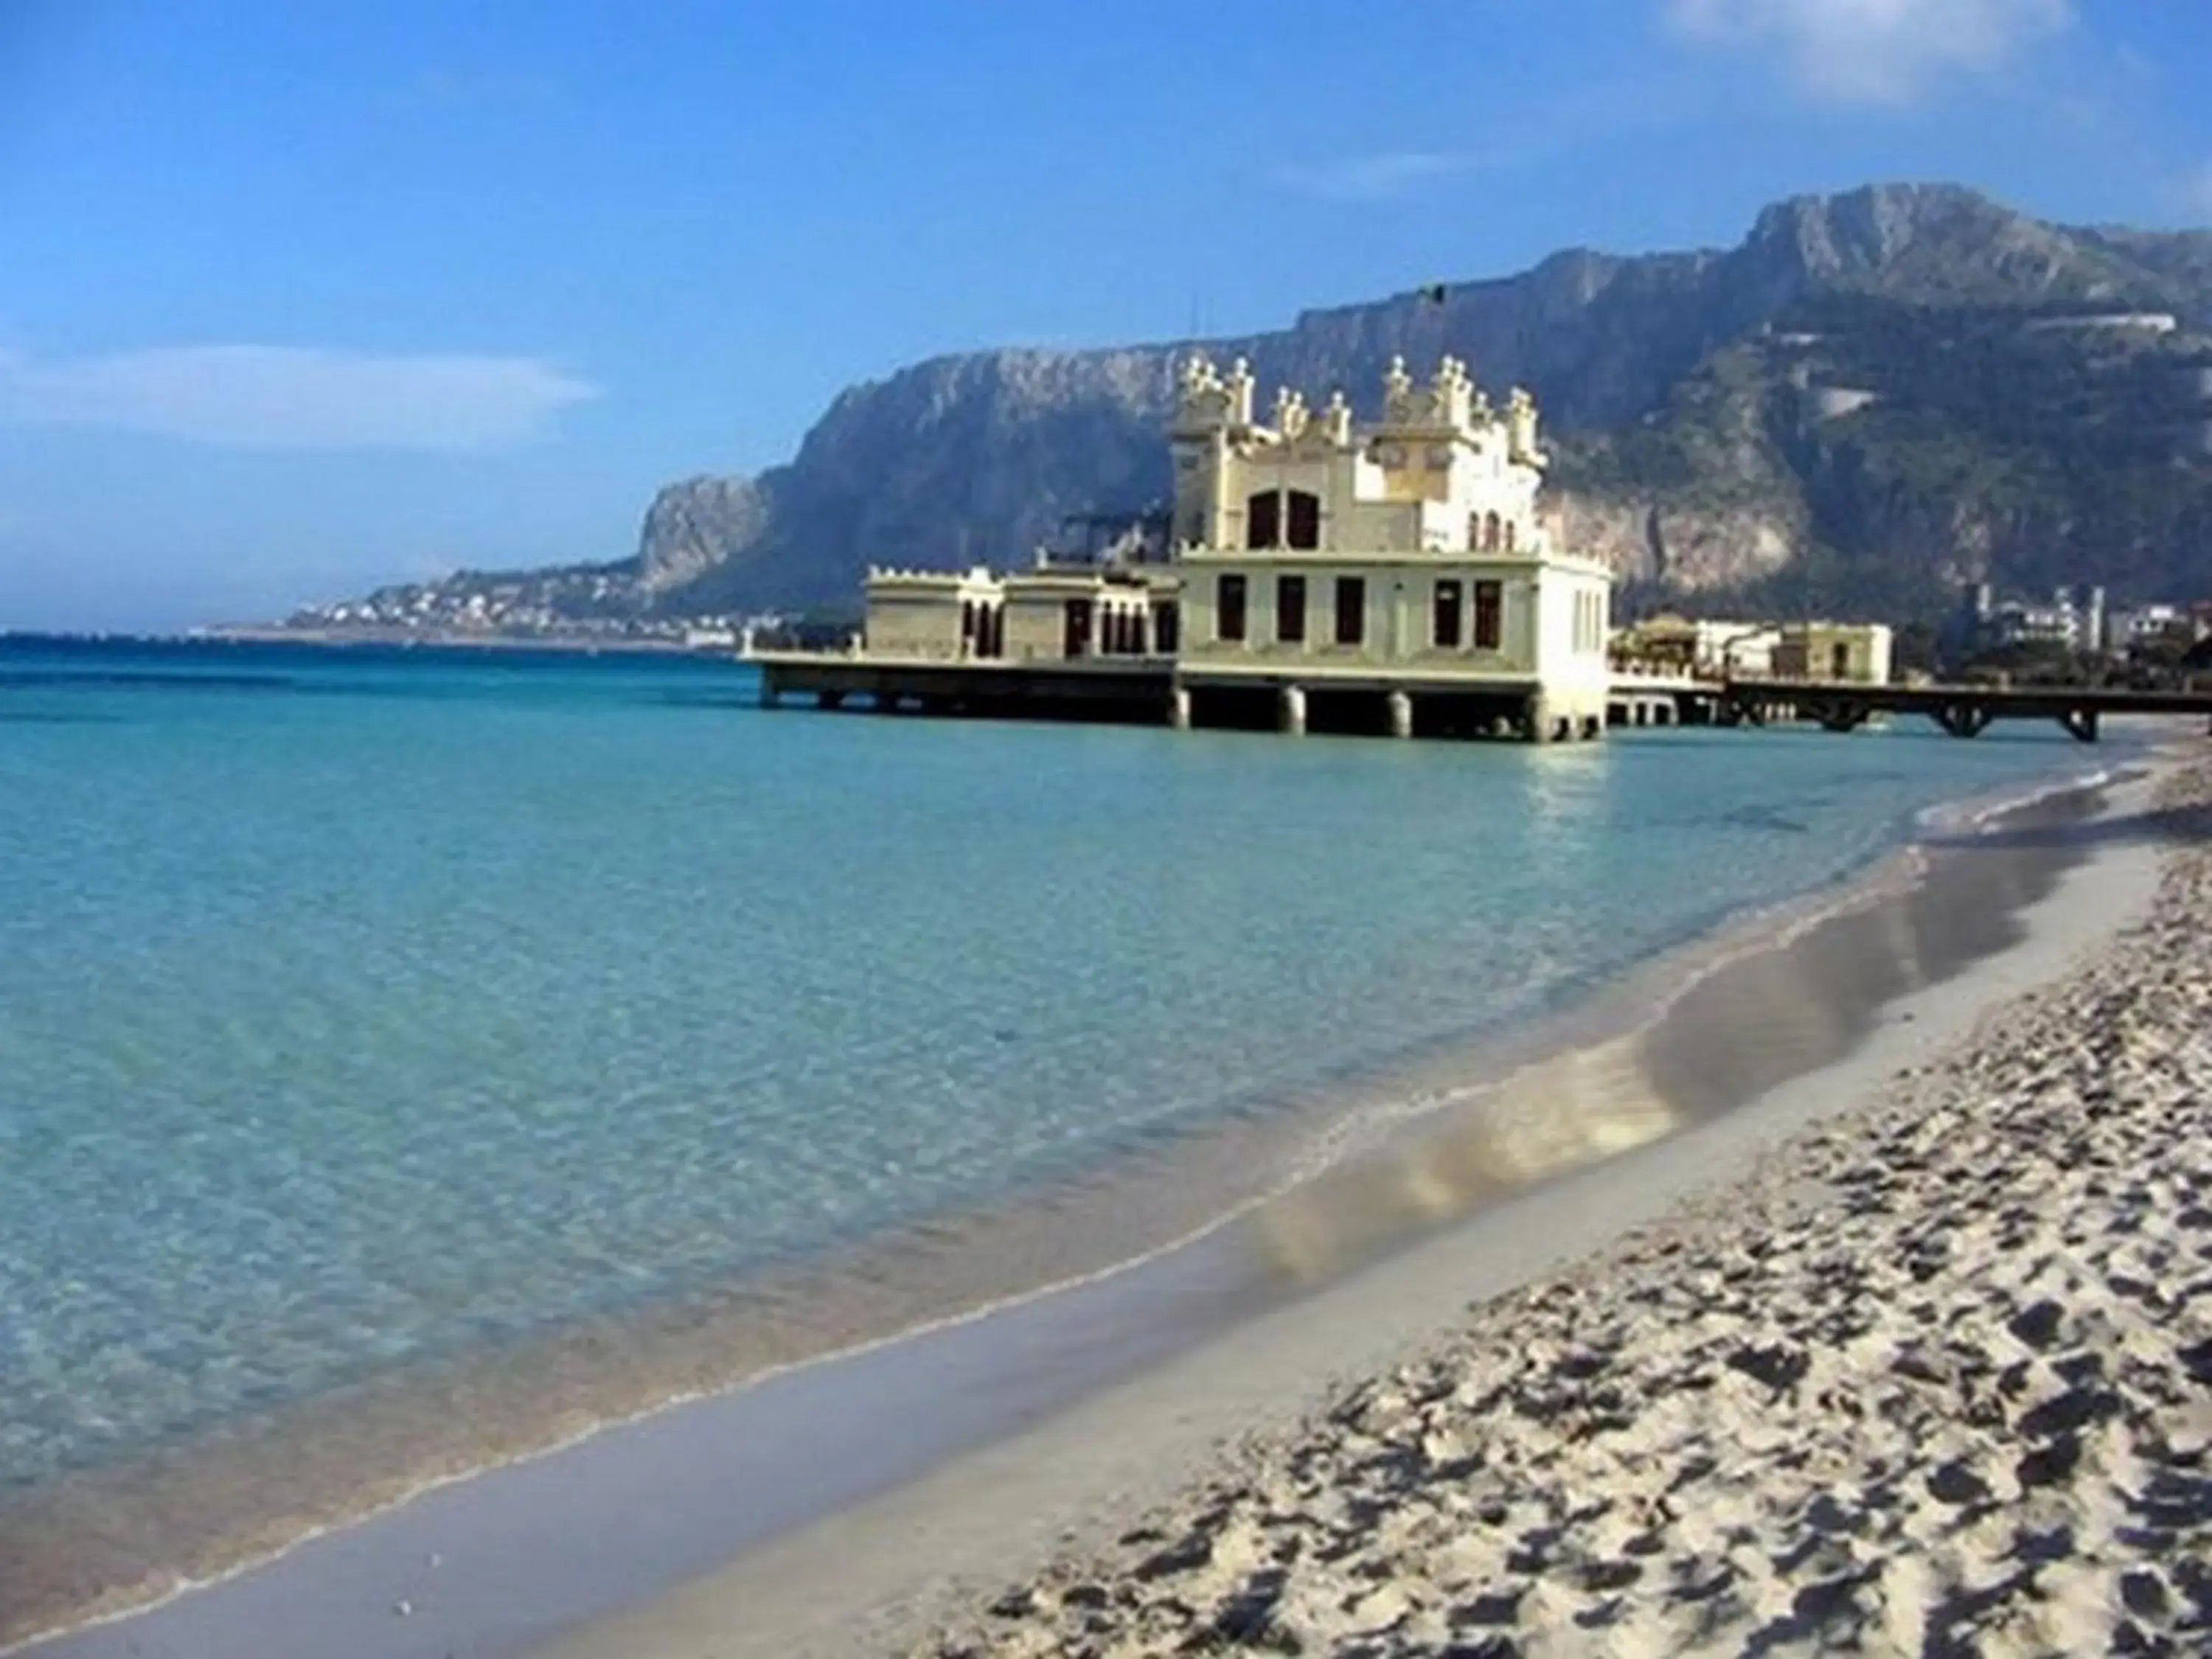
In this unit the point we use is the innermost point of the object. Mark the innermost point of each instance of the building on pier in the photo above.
(1324, 557)
(1701, 647)
(1847, 654)
(1391, 573)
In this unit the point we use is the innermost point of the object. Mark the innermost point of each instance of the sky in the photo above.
(295, 300)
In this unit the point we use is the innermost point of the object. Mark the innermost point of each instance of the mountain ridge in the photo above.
(1689, 395)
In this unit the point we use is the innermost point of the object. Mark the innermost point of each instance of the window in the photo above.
(1263, 519)
(1509, 535)
(1290, 609)
(1229, 609)
(1304, 520)
(1839, 661)
(1351, 609)
(1489, 615)
(1490, 532)
(1448, 615)
(1166, 626)
(1075, 628)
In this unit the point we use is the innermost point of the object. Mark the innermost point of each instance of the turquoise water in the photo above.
(358, 1007)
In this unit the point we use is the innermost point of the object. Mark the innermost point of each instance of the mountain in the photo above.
(1875, 396)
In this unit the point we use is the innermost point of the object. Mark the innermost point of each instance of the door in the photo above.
(1075, 631)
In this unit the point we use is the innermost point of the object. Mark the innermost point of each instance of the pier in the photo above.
(1964, 711)
(1128, 690)
(1155, 691)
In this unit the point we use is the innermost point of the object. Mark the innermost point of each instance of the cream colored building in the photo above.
(933, 616)
(1052, 613)
(1849, 652)
(1323, 556)
(1705, 646)
(1394, 574)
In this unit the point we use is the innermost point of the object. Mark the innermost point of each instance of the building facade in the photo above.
(1394, 573)
(1704, 648)
(2073, 620)
(1855, 653)
(1323, 557)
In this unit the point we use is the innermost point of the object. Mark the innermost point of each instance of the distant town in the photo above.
(517, 613)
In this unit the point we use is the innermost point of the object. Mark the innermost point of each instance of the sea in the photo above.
(364, 1008)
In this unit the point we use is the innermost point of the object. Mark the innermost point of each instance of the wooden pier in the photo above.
(1964, 711)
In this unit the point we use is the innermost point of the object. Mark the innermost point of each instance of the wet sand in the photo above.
(497, 1563)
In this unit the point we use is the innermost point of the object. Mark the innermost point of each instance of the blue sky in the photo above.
(299, 298)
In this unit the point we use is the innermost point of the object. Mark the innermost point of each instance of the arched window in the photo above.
(1263, 518)
(1490, 532)
(1304, 520)
(1509, 535)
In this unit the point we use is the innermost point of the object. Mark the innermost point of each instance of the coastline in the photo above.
(577, 645)
(1095, 1497)
(1929, 1377)
(1228, 1287)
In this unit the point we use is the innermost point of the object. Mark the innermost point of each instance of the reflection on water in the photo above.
(1746, 1027)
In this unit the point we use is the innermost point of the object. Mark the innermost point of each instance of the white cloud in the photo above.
(284, 398)
(1878, 51)
(1371, 178)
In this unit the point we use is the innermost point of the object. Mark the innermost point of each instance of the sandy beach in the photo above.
(1936, 1378)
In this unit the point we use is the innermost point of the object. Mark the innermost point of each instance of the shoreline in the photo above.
(1144, 1348)
(880, 1576)
(1928, 1374)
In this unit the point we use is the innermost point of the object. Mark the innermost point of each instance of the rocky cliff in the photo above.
(695, 526)
(1873, 395)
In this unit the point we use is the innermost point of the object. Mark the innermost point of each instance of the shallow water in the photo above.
(358, 1008)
